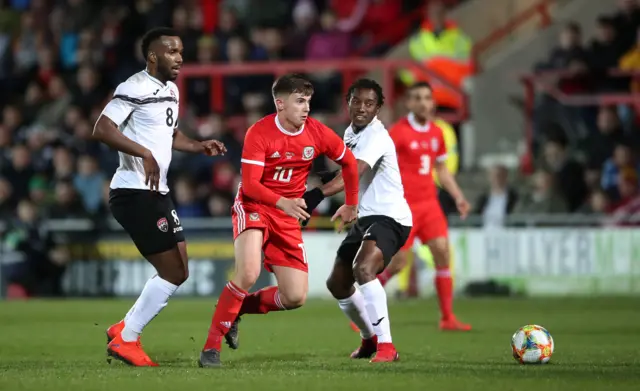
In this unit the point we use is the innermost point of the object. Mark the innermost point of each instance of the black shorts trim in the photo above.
(150, 219)
(388, 234)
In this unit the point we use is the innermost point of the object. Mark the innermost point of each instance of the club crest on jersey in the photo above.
(254, 217)
(308, 153)
(434, 144)
(173, 94)
(163, 224)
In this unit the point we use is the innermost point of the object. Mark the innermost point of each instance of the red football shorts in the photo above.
(282, 244)
(429, 223)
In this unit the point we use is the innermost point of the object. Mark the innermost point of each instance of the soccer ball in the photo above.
(532, 344)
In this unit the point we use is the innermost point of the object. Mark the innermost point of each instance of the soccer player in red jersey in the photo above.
(277, 156)
(421, 147)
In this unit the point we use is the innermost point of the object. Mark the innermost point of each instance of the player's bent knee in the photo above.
(339, 289)
(293, 300)
(368, 263)
(246, 277)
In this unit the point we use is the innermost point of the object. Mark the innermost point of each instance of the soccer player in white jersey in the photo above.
(382, 228)
(141, 123)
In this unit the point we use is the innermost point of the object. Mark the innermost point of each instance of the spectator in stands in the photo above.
(39, 191)
(219, 205)
(601, 144)
(63, 164)
(19, 170)
(568, 174)
(7, 200)
(543, 199)
(597, 204)
(88, 90)
(569, 48)
(499, 201)
(326, 44)
(59, 100)
(623, 159)
(631, 62)
(604, 54)
(305, 22)
(443, 48)
(628, 203)
(592, 176)
(187, 203)
(627, 21)
(32, 260)
(66, 204)
(237, 86)
(88, 182)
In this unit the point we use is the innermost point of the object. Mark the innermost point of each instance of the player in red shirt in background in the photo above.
(276, 160)
(421, 147)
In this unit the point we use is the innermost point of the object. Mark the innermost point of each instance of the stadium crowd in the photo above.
(61, 60)
(587, 156)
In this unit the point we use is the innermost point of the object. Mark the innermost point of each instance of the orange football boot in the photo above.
(386, 353)
(114, 330)
(354, 327)
(129, 352)
(453, 324)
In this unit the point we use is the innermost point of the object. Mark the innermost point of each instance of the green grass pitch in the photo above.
(60, 345)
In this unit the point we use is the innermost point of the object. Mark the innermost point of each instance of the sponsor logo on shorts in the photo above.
(254, 217)
(308, 153)
(163, 224)
(177, 229)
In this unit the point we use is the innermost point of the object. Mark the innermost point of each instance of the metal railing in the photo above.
(350, 69)
(547, 82)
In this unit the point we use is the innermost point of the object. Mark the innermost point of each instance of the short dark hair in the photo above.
(420, 84)
(366, 84)
(417, 85)
(153, 35)
(292, 84)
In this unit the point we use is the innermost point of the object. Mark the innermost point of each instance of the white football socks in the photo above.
(152, 300)
(356, 311)
(375, 300)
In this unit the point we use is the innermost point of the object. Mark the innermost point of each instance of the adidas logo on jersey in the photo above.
(275, 155)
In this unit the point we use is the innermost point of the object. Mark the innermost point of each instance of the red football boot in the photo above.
(386, 353)
(452, 324)
(367, 348)
(129, 352)
(114, 330)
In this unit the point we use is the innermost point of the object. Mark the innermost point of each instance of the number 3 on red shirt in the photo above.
(425, 165)
(283, 174)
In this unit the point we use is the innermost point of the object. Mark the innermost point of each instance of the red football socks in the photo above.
(444, 287)
(225, 314)
(263, 301)
(384, 277)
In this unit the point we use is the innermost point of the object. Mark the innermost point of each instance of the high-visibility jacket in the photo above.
(447, 53)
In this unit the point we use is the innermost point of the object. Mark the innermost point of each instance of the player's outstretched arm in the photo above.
(450, 184)
(185, 144)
